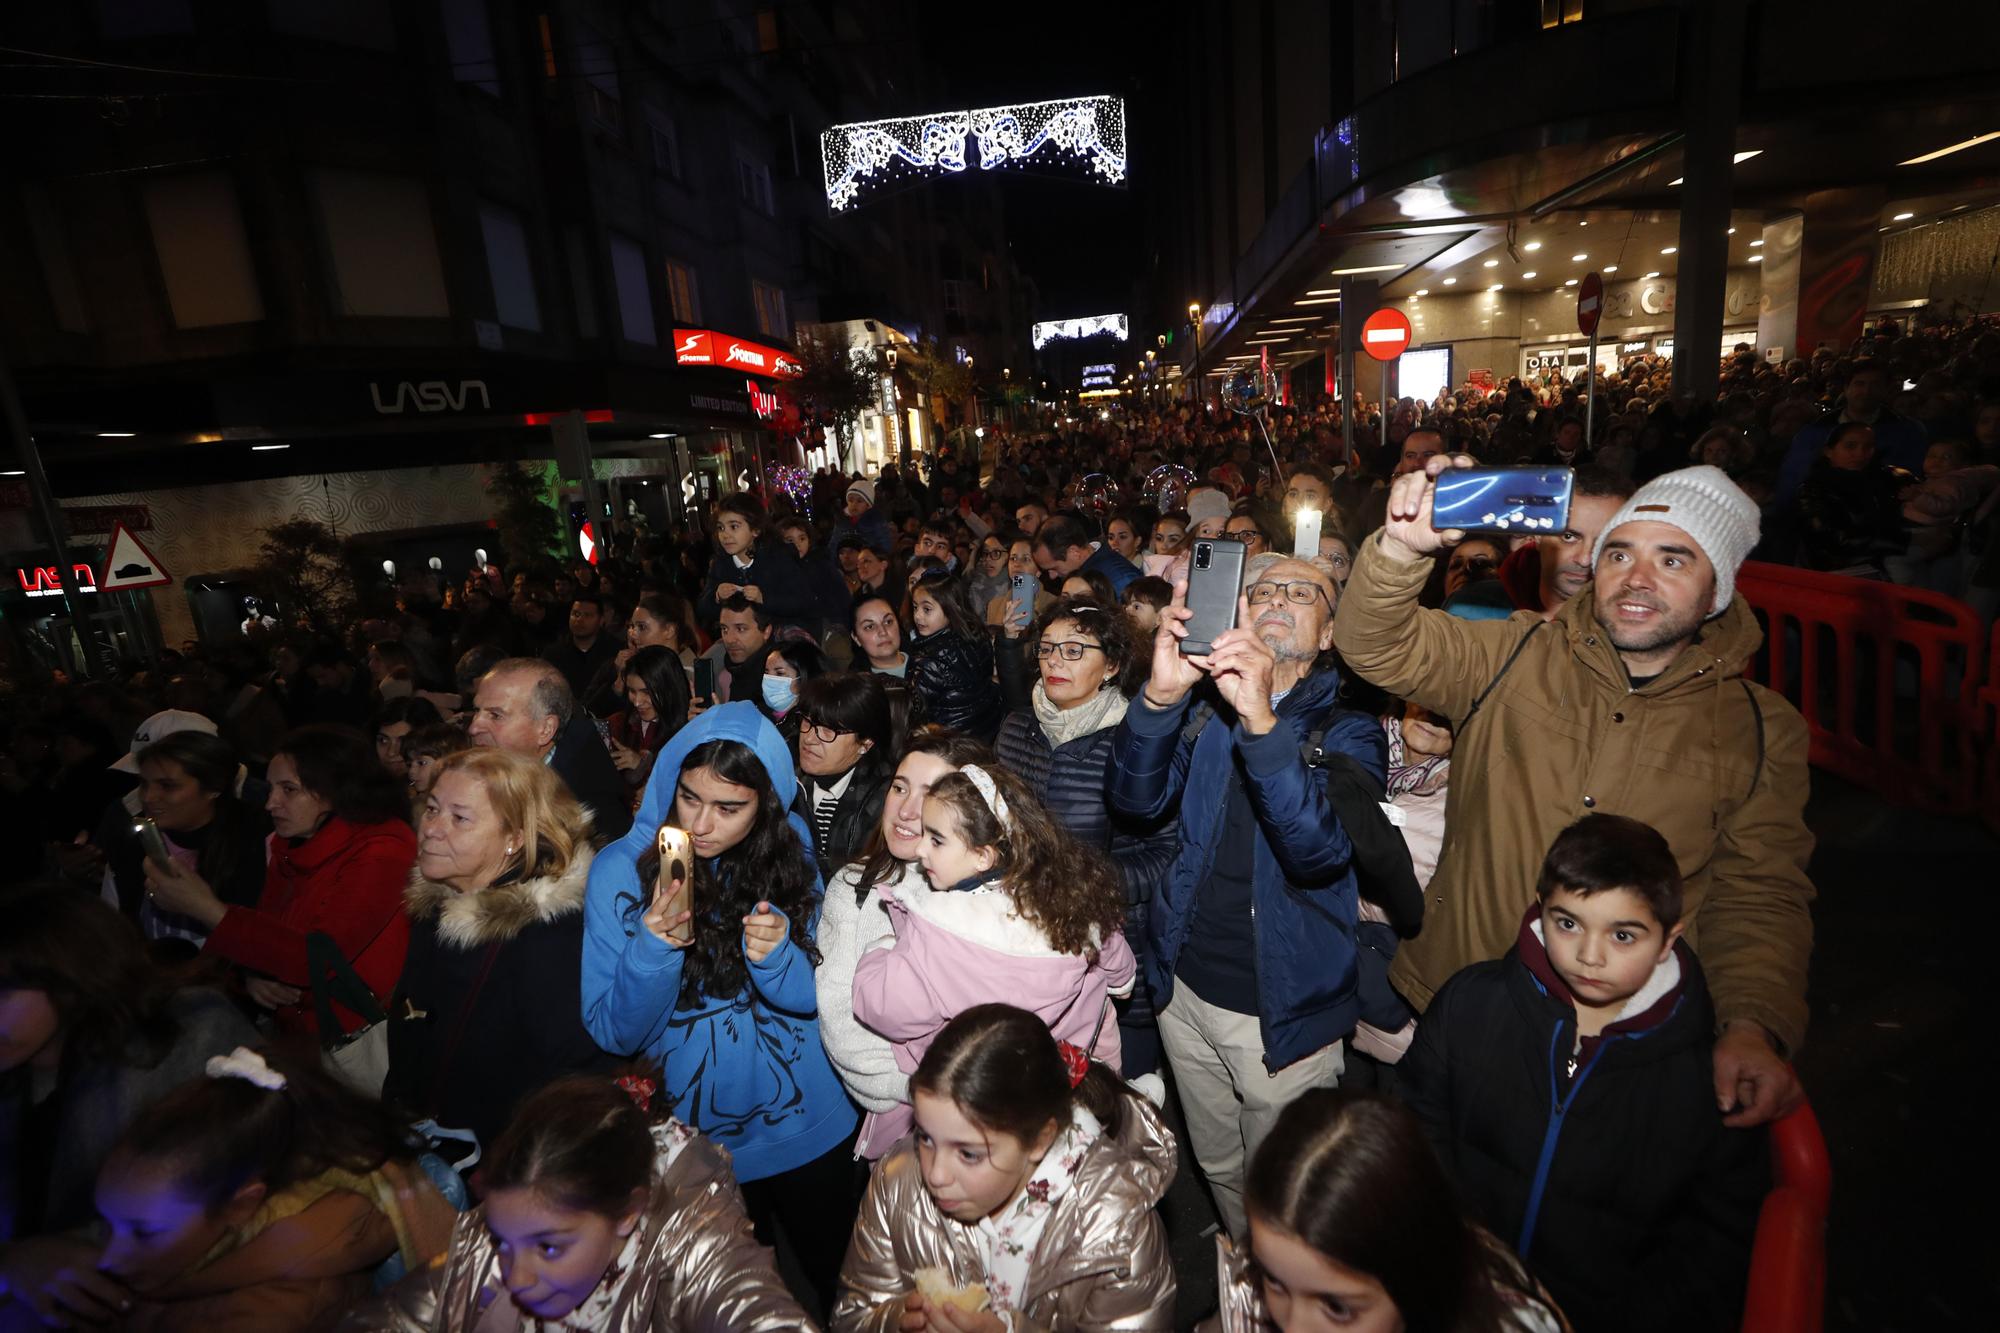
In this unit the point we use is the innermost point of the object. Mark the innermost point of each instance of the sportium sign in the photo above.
(705, 347)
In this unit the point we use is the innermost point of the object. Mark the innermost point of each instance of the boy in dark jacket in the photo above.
(1568, 1088)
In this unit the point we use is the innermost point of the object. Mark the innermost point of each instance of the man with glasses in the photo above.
(844, 758)
(1252, 956)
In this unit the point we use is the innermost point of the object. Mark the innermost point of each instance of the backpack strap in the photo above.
(1505, 667)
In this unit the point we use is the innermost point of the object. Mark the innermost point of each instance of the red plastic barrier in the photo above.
(1788, 1263)
(1920, 742)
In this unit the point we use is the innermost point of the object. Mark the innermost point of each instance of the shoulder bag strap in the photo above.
(334, 979)
(1505, 667)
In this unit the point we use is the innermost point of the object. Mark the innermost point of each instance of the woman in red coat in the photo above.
(340, 857)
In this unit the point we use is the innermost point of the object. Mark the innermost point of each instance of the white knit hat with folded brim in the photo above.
(1705, 504)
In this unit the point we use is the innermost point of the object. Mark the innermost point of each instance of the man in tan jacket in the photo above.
(1630, 701)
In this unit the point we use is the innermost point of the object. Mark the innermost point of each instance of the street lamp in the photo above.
(1194, 318)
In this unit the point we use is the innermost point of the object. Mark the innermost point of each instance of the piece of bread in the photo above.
(937, 1288)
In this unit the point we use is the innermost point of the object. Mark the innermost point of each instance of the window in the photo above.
(468, 37)
(204, 251)
(681, 293)
(514, 303)
(381, 245)
(582, 286)
(770, 303)
(753, 183)
(52, 248)
(635, 294)
(665, 142)
(1555, 13)
(954, 297)
(596, 59)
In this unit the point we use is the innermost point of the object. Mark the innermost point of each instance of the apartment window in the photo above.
(582, 286)
(514, 303)
(954, 297)
(468, 37)
(596, 60)
(753, 183)
(381, 245)
(1555, 13)
(204, 250)
(681, 293)
(45, 224)
(770, 304)
(665, 142)
(635, 294)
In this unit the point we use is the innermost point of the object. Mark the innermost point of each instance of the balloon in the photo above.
(1098, 495)
(1166, 487)
(1248, 393)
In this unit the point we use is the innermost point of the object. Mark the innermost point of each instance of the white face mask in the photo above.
(780, 692)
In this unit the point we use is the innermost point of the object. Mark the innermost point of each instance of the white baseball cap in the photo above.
(159, 726)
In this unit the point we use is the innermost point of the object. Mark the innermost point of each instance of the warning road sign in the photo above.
(128, 564)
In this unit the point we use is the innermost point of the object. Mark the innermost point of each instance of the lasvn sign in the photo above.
(705, 347)
(429, 396)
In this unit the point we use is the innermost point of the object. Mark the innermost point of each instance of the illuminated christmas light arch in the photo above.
(1086, 133)
(1084, 326)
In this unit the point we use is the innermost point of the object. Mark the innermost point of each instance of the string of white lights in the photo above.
(1085, 131)
(1085, 326)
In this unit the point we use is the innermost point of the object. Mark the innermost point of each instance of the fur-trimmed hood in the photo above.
(467, 920)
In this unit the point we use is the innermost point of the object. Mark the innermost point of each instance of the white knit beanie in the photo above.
(1705, 504)
(865, 489)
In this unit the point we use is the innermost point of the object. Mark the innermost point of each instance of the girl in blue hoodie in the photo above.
(721, 994)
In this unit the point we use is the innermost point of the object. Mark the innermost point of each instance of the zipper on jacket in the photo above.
(1558, 1108)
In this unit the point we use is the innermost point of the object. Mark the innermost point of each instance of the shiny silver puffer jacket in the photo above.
(1101, 1263)
(699, 1270)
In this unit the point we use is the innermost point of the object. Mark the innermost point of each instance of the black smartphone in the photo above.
(704, 679)
(1512, 500)
(1215, 581)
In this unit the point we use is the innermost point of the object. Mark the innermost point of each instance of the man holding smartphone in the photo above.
(1251, 952)
(1630, 701)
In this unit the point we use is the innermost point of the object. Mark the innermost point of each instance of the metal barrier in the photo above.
(1890, 681)
(1787, 1291)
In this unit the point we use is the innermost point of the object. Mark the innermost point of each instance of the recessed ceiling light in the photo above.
(1746, 156)
(1654, 274)
(1570, 283)
(1423, 291)
(116, 434)
(1493, 263)
(661, 435)
(1669, 249)
(1366, 268)
(1584, 223)
(1578, 259)
(1756, 259)
(1296, 319)
(1319, 300)
(17, 472)
(1755, 244)
(266, 448)
(1732, 231)
(1960, 146)
(1496, 286)
(1529, 274)
(1322, 291)
(1532, 245)
(1611, 268)
(1902, 217)
(1449, 281)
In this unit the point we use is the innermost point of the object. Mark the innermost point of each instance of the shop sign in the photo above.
(103, 518)
(46, 580)
(705, 347)
(429, 396)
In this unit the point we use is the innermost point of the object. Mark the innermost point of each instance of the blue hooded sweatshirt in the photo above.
(747, 1069)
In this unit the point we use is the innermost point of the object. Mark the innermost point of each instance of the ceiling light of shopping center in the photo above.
(116, 434)
(1950, 148)
(1669, 249)
(1368, 268)
(1529, 274)
(1654, 274)
(1449, 281)
(1421, 291)
(1756, 259)
(1532, 245)
(1755, 244)
(1571, 283)
(1493, 263)
(1611, 268)
(1319, 300)
(1578, 259)
(1902, 217)
(1496, 286)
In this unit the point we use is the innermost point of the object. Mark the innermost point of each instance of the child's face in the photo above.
(1144, 616)
(1852, 451)
(945, 855)
(1604, 946)
(926, 614)
(971, 1172)
(1306, 1292)
(1940, 459)
(734, 534)
(552, 1257)
(156, 1233)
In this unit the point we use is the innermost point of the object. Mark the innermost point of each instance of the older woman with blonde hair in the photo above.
(488, 1008)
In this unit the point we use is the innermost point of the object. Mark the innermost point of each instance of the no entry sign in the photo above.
(1386, 334)
(1589, 304)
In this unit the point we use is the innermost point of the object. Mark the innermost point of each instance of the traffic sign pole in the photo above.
(1385, 414)
(1384, 336)
(1589, 314)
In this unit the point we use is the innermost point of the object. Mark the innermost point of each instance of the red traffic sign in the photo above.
(1589, 304)
(1386, 334)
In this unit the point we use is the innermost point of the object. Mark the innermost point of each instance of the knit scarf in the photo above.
(1423, 778)
(1104, 709)
(1007, 1243)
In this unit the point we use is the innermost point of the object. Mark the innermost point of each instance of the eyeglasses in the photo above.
(824, 734)
(1072, 650)
(1300, 592)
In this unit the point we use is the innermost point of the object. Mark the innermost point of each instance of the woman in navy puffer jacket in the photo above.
(1057, 739)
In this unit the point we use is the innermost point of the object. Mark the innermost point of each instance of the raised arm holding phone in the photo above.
(1631, 701)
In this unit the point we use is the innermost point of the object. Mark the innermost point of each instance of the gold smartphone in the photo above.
(676, 879)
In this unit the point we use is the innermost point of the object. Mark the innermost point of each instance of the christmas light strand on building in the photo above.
(1085, 132)
(1084, 326)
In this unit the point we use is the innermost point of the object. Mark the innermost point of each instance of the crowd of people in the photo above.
(871, 879)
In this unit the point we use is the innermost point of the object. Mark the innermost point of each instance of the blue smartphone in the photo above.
(1511, 500)
(1021, 589)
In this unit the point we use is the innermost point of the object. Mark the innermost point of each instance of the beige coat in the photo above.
(1101, 1263)
(699, 1270)
(1565, 734)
